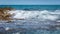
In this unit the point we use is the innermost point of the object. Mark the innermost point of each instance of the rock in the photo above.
(4, 15)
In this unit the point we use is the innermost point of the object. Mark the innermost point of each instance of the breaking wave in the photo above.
(40, 15)
(36, 20)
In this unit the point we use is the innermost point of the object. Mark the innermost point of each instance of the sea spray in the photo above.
(41, 15)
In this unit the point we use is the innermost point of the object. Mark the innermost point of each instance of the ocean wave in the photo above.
(40, 15)
(36, 20)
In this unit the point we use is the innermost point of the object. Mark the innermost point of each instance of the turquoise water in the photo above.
(39, 19)
(33, 7)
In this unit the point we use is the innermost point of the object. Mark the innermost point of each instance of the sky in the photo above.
(29, 2)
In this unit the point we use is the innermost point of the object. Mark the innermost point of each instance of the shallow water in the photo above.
(28, 27)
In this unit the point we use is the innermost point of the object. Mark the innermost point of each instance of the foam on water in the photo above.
(33, 19)
(41, 15)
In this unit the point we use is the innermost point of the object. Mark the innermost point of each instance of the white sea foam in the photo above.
(34, 19)
(7, 28)
(42, 15)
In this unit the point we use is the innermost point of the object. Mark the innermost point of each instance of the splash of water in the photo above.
(41, 15)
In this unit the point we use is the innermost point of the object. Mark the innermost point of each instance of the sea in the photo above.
(36, 19)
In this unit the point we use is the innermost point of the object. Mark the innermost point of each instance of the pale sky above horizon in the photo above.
(29, 2)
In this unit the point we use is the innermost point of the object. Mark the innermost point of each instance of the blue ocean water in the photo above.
(33, 7)
(39, 19)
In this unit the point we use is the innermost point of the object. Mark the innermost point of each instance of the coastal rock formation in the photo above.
(4, 15)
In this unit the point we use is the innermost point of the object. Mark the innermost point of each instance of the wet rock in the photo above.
(4, 15)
